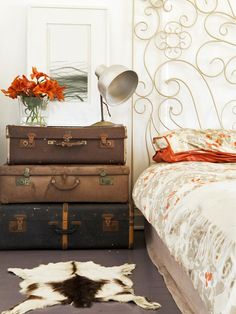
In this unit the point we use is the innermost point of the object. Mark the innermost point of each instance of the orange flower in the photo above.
(20, 86)
(38, 75)
(41, 85)
(49, 88)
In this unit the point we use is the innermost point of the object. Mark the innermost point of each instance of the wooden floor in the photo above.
(146, 280)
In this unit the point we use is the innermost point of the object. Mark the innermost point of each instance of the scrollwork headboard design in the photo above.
(185, 54)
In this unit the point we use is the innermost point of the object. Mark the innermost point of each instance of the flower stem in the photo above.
(34, 110)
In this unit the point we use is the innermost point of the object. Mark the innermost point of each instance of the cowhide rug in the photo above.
(77, 283)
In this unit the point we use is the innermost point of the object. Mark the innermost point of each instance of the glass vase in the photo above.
(33, 110)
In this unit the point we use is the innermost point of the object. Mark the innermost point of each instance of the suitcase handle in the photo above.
(64, 187)
(61, 231)
(70, 144)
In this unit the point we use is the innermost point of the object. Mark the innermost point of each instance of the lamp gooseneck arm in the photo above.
(101, 104)
(102, 111)
(108, 111)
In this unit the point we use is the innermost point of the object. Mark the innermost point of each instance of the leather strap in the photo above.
(131, 226)
(65, 226)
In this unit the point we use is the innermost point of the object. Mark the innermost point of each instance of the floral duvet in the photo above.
(192, 206)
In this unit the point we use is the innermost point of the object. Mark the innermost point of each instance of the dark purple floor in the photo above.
(146, 280)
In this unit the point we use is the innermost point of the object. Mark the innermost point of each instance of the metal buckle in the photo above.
(28, 143)
(104, 179)
(25, 180)
(105, 143)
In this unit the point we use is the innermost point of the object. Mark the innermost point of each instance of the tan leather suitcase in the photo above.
(66, 226)
(62, 145)
(64, 183)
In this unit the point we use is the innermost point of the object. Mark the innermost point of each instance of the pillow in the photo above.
(213, 145)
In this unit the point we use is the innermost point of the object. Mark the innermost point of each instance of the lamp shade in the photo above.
(116, 83)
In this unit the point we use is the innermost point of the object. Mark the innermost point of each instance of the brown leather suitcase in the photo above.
(59, 145)
(64, 183)
(66, 226)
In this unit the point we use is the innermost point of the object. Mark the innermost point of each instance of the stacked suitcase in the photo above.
(65, 187)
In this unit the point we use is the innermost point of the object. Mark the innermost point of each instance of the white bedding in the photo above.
(192, 206)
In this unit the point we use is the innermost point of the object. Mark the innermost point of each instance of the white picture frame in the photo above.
(68, 43)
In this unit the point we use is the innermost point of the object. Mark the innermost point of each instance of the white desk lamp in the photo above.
(116, 84)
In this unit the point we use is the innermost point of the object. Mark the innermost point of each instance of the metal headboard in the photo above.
(185, 54)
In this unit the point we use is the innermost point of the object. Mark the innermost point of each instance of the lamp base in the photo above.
(103, 123)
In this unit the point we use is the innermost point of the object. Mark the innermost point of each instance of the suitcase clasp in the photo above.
(26, 173)
(18, 225)
(104, 179)
(105, 143)
(67, 137)
(109, 224)
(25, 180)
(28, 143)
(67, 143)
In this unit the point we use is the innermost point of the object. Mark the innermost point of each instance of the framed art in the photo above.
(68, 43)
(69, 58)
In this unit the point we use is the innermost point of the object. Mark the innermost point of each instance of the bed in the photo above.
(189, 207)
(184, 54)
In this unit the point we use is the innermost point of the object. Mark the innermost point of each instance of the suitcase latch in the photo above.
(67, 137)
(105, 143)
(67, 143)
(28, 143)
(19, 224)
(25, 180)
(109, 224)
(105, 179)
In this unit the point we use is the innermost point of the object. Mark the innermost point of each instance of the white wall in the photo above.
(13, 59)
